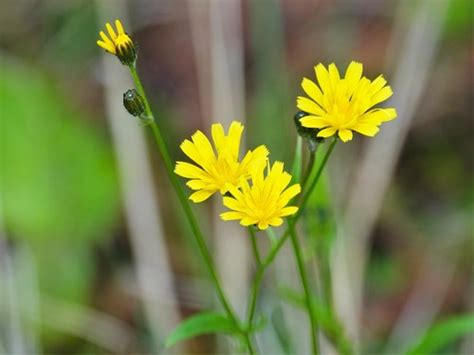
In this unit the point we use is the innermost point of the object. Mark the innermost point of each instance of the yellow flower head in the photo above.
(342, 105)
(119, 44)
(265, 202)
(220, 169)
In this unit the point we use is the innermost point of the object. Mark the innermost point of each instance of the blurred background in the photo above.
(95, 256)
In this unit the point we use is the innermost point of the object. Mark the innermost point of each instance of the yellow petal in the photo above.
(312, 90)
(365, 129)
(254, 160)
(323, 78)
(233, 204)
(196, 184)
(376, 85)
(204, 148)
(190, 150)
(314, 122)
(345, 135)
(388, 114)
(309, 106)
(327, 132)
(108, 47)
(200, 196)
(189, 171)
(248, 221)
(104, 37)
(381, 95)
(334, 77)
(353, 75)
(234, 136)
(288, 194)
(288, 211)
(263, 225)
(231, 215)
(276, 222)
(111, 31)
(119, 27)
(217, 132)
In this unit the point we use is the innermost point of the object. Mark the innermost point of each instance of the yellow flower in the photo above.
(264, 203)
(342, 105)
(213, 172)
(119, 44)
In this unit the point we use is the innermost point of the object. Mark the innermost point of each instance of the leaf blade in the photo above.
(442, 334)
(200, 324)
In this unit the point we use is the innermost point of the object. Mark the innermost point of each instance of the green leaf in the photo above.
(442, 334)
(200, 324)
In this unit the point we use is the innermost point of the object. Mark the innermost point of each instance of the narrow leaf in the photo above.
(442, 334)
(200, 324)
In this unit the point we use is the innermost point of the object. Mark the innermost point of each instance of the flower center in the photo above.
(122, 39)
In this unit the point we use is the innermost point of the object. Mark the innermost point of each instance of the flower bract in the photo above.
(264, 203)
(218, 168)
(344, 105)
(118, 43)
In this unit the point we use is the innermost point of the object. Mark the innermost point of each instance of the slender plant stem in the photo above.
(256, 282)
(314, 182)
(141, 91)
(280, 241)
(249, 344)
(309, 169)
(324, 266)
(256, 253)
(272, 235)
(253, 296)
(296, 167)
(306, 287)
(199, 237)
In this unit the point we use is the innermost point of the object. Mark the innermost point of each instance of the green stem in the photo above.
(256, 253)
(253, 296)
(256, 282)
(326, 280)
(249, 344)
(199, 237)
(296, 167)
(309, 169)
(272, 235)
(307, 290)
(313, 184)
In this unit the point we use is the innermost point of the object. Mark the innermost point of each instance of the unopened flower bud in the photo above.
(133, 102)
(118, 43)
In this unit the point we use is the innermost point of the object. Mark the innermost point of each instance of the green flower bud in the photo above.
(309, 134)
(133, 102)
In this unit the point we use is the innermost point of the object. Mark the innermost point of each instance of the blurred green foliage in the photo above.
(439, 336)
(58, 185)
(460, 19)
(271, 121)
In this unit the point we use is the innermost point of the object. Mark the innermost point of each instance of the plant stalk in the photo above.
(279, 243)
(307, 290)
(199, 237)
